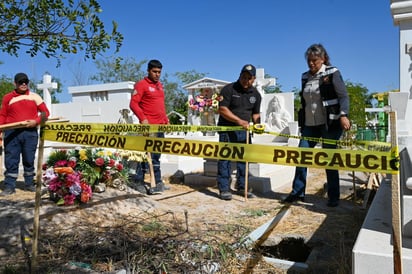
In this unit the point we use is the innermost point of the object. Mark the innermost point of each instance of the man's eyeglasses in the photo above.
(21, 82)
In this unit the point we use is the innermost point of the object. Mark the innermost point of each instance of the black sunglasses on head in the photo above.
(21, 82)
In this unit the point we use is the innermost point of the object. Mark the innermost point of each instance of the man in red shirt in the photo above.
(148, 105)
(21, 105)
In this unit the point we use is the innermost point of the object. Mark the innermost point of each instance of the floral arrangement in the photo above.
(202, 103)
(71, 174)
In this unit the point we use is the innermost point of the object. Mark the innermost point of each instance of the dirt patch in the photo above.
(184, 230)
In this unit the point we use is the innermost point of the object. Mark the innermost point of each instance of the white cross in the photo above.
(45, 86)
(262, 82)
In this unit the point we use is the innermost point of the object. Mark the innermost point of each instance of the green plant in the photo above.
(255, 212)
(152, 226)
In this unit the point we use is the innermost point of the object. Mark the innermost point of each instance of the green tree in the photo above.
(272, 89)
(190, 76)
(55, 28)
(296, 102)
(175, 99)
(185, 78)
(114, 70)
(359, 100)
(6, 85)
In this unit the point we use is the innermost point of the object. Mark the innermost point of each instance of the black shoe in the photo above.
(139, 186)
(160, 187)
(332, 203)
(293, 198)
(30, 188)
(226, 195)
(7, 192)
(241, 192)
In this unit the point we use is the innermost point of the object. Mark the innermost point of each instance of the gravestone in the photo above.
(277, 109)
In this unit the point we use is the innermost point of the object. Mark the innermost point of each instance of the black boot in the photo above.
(160, 187)
(140, 186)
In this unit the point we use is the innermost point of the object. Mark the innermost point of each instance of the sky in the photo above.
(218, 37)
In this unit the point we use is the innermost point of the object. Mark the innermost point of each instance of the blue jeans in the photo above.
(143, 167)
(224, 168)
(19, 142)
(332, 176)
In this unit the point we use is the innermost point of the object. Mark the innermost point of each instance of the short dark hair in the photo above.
(154, 64)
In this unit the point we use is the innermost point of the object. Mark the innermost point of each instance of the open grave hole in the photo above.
(289, 248)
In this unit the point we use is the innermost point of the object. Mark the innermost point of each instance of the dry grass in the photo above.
(189, 231)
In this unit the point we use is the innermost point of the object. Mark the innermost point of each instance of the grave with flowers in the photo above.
(71, 176)
(203, 100)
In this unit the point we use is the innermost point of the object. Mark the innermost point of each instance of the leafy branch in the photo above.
(55, 28)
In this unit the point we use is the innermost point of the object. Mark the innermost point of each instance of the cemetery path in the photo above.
(329, 232)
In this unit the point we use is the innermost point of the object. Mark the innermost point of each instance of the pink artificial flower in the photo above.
(55, 185)
(69, 199)
(61, 163)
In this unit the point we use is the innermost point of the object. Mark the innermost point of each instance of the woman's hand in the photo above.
(344, 123)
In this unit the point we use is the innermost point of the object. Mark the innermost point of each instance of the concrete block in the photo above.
(373, 249)
(210, 167)
(260, 184)
(169, 164)
(399, 102)
(263, 177)
(200, 180)
(407, 216)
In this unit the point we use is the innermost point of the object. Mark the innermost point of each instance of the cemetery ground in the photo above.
(187, 229)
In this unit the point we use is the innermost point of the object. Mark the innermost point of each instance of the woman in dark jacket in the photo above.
(324, 114)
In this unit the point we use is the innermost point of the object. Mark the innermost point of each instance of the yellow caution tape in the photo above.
(133, 128)
(377, 161)
(257, 128)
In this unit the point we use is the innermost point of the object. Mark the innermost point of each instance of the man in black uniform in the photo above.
(240, 105)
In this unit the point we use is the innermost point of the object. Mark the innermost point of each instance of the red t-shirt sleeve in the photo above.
(44, 113)
(135, 101)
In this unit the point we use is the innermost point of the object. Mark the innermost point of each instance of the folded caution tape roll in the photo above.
(258, 128)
